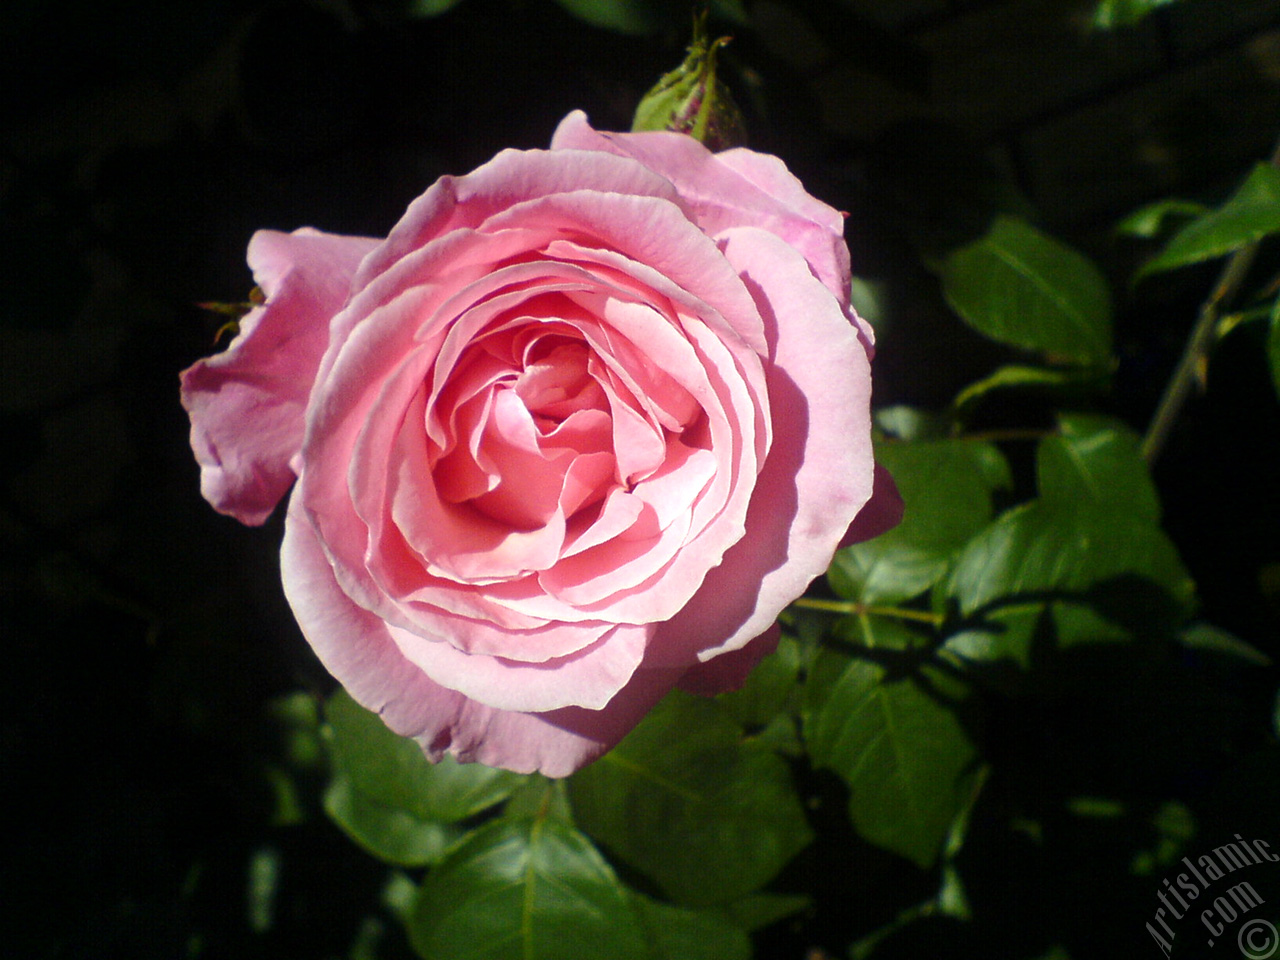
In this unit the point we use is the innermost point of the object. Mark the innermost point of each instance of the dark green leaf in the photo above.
(900, 745)
(1004, 646)
(392, 771)
(1021, 287)
(623, 16)
(1252, 213)
(525, 890)
(759, 910)
(1273, 345)
(875, 632)
(946, 486)
(1040, 379)
(684, 800)
(1096, 460)
(1149, 221)
(430, 8)
(1054, 574)
(539, 797)
(388, 833)
(675, 933)
(1123, 13)
(1064, 548)
(1205, 636)
(768, 689)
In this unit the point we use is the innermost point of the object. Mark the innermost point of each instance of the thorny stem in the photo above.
(861, 609)
(1193, 367)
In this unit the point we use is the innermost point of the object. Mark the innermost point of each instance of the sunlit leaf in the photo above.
(912, 423)
(1024, 288)
(946, 486)
(1211, 639)
(1005, 644)
(525, 890)
(1068, 549)
(392, 771)
(1124, 13)
(899, 743)
(1096, 459)
(684, 800)
(1251, 214)
(1060, 572)
(1039, 379)
(1150, 221)
(388, 833)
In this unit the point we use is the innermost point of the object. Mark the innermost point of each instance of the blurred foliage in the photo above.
(992, 732)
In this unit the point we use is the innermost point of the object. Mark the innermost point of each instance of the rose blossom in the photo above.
(574, 433)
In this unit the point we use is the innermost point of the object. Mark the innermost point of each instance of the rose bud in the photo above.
(692, 99)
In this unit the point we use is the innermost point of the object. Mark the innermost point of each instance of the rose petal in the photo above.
(356, 647)
(882, 512)
(736, 188)
(819, 471)
(247, 403)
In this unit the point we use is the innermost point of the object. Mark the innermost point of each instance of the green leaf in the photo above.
(1149, 222)
(1018, 377)
(947, 487)
(388, 833)
(1123, 13)
(768, 689)
(684, 800)
(1004, 647)
(541, 797)
(1054, 573)
(1251, 214)
(1057, 547)
(910, 423)
(899, 744)
(1019, 286)
(1205, 636)
(1096, 460)
(623, 16)
(393, 771)
(875, 632)
(675, 933)
(430, 8)
(759, 910)
(525, 890)
(1273, 345)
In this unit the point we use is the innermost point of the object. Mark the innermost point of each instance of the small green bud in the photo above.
(691, 98)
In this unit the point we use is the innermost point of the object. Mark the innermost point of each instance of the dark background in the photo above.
(143, 742)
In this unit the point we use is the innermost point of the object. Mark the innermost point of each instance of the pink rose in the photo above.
(573, 434)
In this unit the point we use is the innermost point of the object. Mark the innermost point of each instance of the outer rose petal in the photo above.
(736, 188)
(819, 472)
(356, 647)
(729, 671)
(882, 513)
(247, 403)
